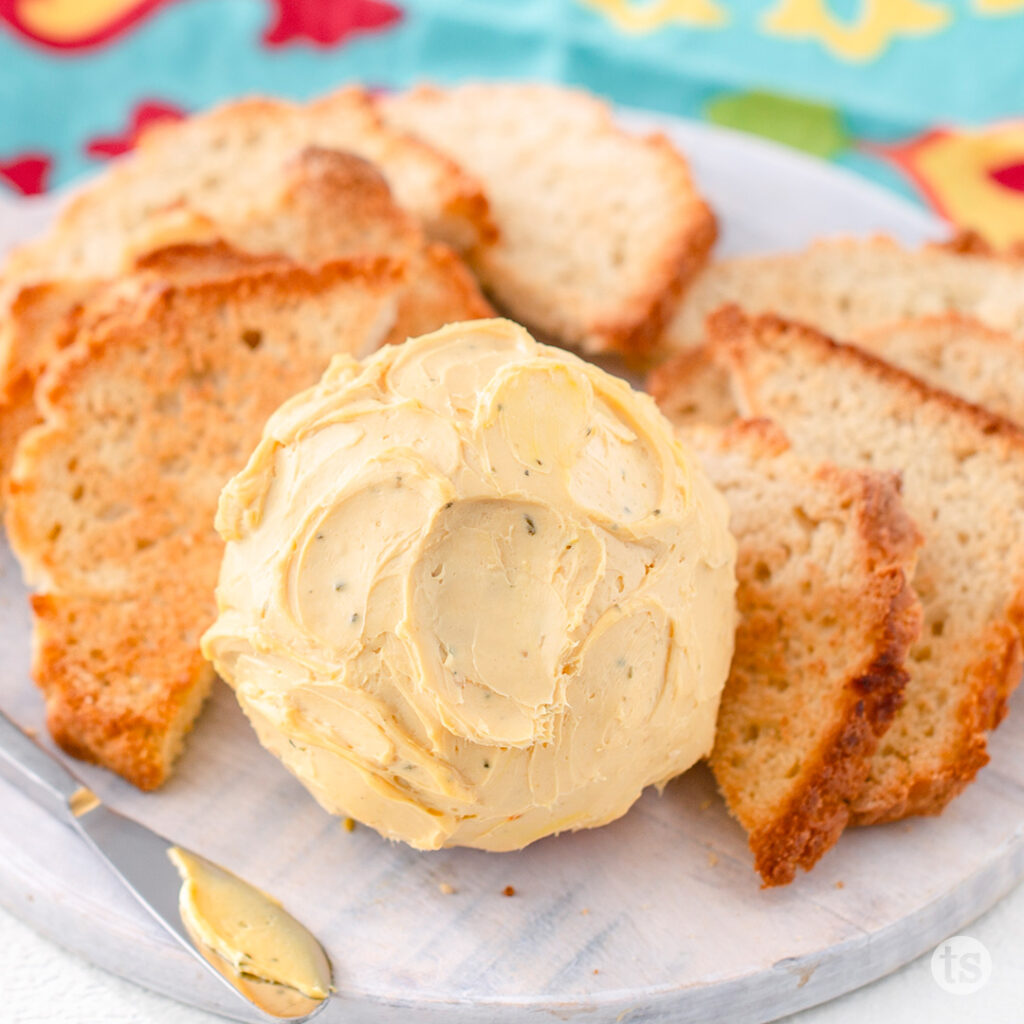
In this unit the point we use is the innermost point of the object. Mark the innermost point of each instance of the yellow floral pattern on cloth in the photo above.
(998, 6)
(630, 16)
(878, 23)
(72, 19)
(975, 179)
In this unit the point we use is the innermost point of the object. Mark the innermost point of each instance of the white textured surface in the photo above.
(664, 904)
(41, 983)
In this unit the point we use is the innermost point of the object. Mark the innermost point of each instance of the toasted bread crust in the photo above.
(847, 285)
(35, 328)
(967, 242)
(17, 415)
(533, 283)
(727, 325)
(992, 679)
(448, 200)
(956, 353)
(328, 206)
(441, 290)
(993, 667)
(81, 678)
(462, 217)
(637, 334)
(950, 351)
(832, 633)
(112, 497)
(692, 388)
(820, 809)
(158, 314)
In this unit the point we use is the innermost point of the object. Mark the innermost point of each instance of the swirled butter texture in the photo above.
(250, 938)
(474, 592)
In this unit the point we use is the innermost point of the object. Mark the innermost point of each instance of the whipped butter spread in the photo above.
(250, 937)
(474, 592)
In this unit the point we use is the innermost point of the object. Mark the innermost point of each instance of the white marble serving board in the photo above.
(657, 917)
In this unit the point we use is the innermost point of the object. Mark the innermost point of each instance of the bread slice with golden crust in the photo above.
(600, 229)
(959, 354)
(826, 617)
(324, 206)
(147, 414)
(221, 163)
(123, 678)
(333, 206)
(845, 286)
(693, 390)
(963, 484)
(31, 334)
(953, 352)
(448, 200)
(438, 290)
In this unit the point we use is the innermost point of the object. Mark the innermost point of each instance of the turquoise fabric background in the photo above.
(58, 95)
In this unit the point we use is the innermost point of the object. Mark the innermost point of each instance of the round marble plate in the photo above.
(657, 917)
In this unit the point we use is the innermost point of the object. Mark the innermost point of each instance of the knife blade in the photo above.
(142, 859)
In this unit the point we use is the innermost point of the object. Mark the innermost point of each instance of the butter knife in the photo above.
(184, 892)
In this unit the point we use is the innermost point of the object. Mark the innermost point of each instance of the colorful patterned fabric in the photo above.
(925, 96)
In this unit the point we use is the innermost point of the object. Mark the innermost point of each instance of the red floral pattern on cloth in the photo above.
(974, 177)
(27, 173)
(146, 113)
(322, 22)
(1010, 176)
(329, 22)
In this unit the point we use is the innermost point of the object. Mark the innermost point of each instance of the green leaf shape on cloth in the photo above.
(811, 127)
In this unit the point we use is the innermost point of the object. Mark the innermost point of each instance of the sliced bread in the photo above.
(693, 389)
(846, 286)
(327, 206)
(957, 354)
(826, 617)
(321, 207)
(221, 163)
(147, 414)
(953, 352)
(963, 484)
(600, 230)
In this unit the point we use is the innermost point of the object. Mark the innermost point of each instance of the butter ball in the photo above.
(474, 592)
